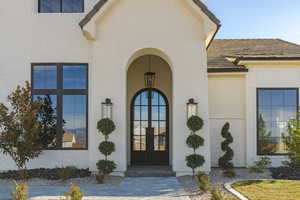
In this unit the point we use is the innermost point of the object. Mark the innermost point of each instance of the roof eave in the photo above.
(227, 70)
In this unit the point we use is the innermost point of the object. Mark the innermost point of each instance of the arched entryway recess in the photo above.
(149, 112)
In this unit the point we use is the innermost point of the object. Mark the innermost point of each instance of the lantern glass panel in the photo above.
(192, 110)
(107, 110)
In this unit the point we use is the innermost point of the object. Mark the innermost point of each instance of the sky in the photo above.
(243, 19)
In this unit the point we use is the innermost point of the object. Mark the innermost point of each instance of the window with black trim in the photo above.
(64, 89)
(275, 109)
(61, 6)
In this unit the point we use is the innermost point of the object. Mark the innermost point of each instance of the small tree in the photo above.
(48, 121)
(194, 141)
(106, 127)
(225, 161)
(20, 127)
(265, 146)
(292, 143)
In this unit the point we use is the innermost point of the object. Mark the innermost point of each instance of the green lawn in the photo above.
(269, 190)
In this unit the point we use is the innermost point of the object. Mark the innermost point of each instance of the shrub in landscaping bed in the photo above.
(50, 174)
(286, 173)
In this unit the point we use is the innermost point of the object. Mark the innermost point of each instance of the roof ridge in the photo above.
(288, 42)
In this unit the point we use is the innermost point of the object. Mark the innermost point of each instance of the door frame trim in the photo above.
(167, 124)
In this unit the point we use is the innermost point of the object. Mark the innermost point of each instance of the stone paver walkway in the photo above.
(130, 188)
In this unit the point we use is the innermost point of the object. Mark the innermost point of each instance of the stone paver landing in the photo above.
(129, 189)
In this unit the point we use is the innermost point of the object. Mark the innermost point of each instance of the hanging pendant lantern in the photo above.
(149, 77)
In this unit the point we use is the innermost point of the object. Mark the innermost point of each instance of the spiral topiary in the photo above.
(194, 141)
(225, 161)
(106, 127)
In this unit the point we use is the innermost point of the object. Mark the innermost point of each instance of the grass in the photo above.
(269, 190)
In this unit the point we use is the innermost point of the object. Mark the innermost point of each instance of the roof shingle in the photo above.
(220, 50)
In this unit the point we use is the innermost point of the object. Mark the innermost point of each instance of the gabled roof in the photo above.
(223, 54)
(101, 3)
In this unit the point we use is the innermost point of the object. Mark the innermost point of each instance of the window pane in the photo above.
(44, 77)
(161, 101)
(144, 98)
(49, 6)
(155, 113)
(74, 77)
(72, 6)
(162, 113)
(155, 98)
(290, 98)
(264, 97)
(276, 108)
(74, 117)
(144, 112)
(48, 118)
(277, 97)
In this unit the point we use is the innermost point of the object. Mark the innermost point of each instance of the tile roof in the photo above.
(220, 50)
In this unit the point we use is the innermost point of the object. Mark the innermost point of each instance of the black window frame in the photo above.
(60, 92)
(61, 7)
(258, 152)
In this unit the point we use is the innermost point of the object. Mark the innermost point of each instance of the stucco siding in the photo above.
(227, 104)
(266, 76)
(27, 37)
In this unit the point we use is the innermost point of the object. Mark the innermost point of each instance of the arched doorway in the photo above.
(149, 128)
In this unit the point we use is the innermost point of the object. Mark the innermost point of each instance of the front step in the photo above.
(150, 171)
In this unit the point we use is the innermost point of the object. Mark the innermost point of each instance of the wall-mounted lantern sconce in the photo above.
(192, 108)
(107, 109)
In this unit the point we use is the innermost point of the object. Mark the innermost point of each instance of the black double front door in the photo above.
(149, 128)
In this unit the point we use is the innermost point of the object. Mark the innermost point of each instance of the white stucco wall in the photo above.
(28, 36)
(119, 40)
(268, 75)
(227, 97)
(172, 29)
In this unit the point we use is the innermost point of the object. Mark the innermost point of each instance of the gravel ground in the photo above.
(216, 177)
(111, 181)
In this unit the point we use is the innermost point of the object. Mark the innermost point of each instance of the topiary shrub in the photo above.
(225, 161)
(194, 141)
(107, 148)
(106, 166)
(195, 123)
(106, 127)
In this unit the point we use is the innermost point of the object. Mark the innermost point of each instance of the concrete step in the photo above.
(150, 171)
